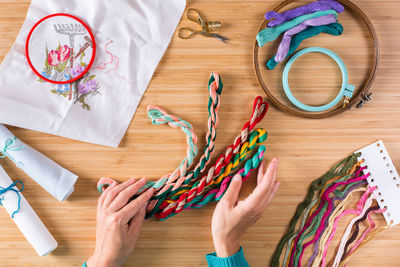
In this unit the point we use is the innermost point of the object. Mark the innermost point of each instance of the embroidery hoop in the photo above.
(346, 90)
(90, 62)
(363, 90)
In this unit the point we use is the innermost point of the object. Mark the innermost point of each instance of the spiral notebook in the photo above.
(385, 177)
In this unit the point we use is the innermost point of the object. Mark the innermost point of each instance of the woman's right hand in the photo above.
(232, 217)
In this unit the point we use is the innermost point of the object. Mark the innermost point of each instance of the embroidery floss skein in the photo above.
(346, 235)
(335, 224)
(284, 46)
(332, 29)
(187, 192)
(315, 260)
(322, 209)
(339, 169)
(279, 18)
(343, 198)
(271, 34)
(325, 208)
(356, 226)
(182, 190)
(317, 224)
(365, 234)
(259, 110)
(193, 196)
(297, 244)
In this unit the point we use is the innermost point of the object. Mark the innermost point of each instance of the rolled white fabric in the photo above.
(56, 180)
(26, 219)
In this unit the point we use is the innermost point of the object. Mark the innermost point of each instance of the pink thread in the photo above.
(366, 233)
(325, 197)
(360, 206)
(320, 229)
(347, 232)
(113, 60)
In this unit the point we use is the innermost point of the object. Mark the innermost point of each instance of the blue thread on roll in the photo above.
(17, 191)
(10, 145)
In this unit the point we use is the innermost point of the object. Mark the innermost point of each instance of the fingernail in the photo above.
(237, 178)
(151, 189)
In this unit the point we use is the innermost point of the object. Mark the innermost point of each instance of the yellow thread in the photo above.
(242, 154)
(352, 170)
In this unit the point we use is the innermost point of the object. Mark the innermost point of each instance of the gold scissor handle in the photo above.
(186, 33)
(194, 15)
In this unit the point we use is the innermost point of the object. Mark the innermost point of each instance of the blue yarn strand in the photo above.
(17, 191)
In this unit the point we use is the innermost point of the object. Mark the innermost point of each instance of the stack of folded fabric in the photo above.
(299, 24)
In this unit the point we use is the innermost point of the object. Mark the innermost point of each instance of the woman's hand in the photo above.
(118, 222)
(232, 218)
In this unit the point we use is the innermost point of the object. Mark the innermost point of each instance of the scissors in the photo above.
(206, 27)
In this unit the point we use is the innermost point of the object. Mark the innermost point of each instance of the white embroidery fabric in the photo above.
(131, 38)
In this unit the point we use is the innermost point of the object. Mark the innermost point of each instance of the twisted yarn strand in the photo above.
(182, 189)
(260, 108)
(198, 189)
(215, 90)
(216, 194)
(160, 116)
(339, 169)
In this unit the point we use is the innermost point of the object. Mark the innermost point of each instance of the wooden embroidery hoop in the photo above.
(362, 93)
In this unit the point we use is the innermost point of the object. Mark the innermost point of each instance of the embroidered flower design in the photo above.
(52, 58)
(77, 70)
(62, 65)
(87, 87)
(64, 53)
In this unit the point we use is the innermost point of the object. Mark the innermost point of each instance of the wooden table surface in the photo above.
(306, 148)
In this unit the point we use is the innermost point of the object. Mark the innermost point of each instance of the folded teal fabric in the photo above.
(333, 29)
(236, 260)
(270, 34)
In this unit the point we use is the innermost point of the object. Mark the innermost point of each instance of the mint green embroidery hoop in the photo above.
(346, 91)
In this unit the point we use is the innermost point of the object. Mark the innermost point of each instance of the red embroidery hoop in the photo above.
(88, 66)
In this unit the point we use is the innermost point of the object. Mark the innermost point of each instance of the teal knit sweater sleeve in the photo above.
(236, 260)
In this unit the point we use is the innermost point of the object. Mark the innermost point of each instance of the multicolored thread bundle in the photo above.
(328, 202)
(184, 189)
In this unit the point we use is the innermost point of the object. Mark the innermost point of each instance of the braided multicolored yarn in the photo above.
(178, 202)
(160, 116)
(215, 89)
(259, 110)
(216, 194)
(183, 190)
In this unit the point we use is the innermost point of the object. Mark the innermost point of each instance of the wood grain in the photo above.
(306, 148)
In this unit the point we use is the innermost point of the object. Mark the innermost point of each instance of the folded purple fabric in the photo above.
(319, 5)
(287, 36)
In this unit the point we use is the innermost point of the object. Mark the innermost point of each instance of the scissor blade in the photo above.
(220, 37)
